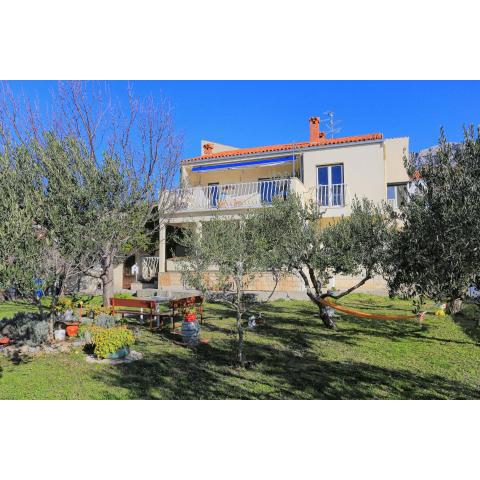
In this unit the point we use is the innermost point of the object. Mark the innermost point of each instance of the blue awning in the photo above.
(220, 166)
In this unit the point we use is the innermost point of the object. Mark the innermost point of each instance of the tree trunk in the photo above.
(51, 326)
(240, 357)
(238, 285)
(322, 311)
(51, 315)
(454, 306)
(107, 279)
(326, 318)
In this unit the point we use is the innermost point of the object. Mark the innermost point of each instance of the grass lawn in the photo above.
(295, 358)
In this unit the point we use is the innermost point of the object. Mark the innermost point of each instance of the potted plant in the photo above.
(190, 326)
(111, 342)
(189, 314)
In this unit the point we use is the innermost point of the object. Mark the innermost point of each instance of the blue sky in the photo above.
(252, 113)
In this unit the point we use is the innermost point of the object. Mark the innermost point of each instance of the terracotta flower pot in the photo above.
(4, 341)
(72, 330)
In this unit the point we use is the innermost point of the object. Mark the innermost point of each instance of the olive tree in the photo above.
(222, 256)
(42, 239)
(128, 165)
(21, 243)
(301, 241)
(436, 252)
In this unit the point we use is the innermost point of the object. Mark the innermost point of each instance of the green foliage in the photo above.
(236, 250)
(299, 240)
(189, 310)
(123, 295)
(25, 328)
(435, 253)
(105, 321)
(64, 304)
(81, 192)
(234, 247)
(109, 340)
(21, 242)
(96, 310)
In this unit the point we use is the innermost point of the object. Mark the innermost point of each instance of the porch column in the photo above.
(162, 247)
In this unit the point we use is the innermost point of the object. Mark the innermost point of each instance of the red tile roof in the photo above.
(287, 146)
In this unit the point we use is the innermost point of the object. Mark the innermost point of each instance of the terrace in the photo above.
(256, 194)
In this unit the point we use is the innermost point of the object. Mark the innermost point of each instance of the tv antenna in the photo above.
(332, 124)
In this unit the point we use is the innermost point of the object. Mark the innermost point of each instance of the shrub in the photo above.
(97, 310)
(64, 304)
(105, 321)
(108, 340)
(25, 328)
(123, 295)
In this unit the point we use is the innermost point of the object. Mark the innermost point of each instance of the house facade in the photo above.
(330, 171)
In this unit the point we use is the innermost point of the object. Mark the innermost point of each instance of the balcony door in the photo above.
(330, 190)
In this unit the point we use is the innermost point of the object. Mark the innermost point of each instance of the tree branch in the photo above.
(351, 289)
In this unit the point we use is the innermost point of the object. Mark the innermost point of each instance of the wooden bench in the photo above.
(132, 306)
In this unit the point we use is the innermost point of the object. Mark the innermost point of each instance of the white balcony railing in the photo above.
(331, 195)
(255, 194)
(233, 195)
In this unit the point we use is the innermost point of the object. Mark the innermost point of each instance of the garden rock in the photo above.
(27, 350)
(131, 357)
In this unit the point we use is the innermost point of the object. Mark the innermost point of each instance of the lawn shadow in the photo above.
(285, 363)
(207, 373)
(323, 379)
(469, 321)
(182, 374)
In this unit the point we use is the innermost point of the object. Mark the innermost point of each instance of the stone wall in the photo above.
(287, 284)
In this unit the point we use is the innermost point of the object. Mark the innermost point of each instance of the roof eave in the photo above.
(275, 153)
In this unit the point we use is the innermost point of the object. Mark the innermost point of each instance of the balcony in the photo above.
(255, 194)
(331, 195)
(235, 195)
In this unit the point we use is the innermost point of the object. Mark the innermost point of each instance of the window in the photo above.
(331, 189)
(396, 194)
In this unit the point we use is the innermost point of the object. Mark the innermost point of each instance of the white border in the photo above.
(245, 39)
(248, 39)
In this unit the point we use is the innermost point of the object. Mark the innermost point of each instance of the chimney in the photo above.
(315, 133)
(207, 148)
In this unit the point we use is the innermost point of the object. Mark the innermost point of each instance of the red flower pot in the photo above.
(4, 341)
(72, 330)
(190, 317)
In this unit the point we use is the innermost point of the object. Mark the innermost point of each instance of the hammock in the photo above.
(358, 313)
